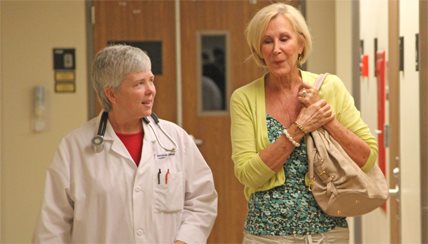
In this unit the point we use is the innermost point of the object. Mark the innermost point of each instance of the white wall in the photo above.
(321, 21)
(29, 32)
(373, 24)
(343, 11)
(410, 127)
(330, 24)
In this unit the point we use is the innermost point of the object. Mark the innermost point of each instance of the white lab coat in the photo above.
(105, 198)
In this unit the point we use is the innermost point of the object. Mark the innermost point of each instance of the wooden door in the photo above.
(213, 129)
(148, 23)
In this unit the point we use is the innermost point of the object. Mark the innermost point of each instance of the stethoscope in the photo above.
(98, 140)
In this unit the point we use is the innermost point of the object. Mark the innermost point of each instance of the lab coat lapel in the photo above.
(114, 142)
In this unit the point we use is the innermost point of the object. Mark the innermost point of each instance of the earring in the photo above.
(300, 57)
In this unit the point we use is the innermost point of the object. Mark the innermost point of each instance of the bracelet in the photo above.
(300, 127)
(295, 143)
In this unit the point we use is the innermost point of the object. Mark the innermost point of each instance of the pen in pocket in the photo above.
(166, 176)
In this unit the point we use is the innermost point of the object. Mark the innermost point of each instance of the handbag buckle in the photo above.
(311, 183)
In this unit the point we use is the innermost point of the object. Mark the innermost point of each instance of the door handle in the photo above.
(394, 191)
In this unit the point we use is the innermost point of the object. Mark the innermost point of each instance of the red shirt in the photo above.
(134, 144)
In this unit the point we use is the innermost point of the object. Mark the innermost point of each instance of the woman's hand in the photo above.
(308, 95)
(314, 115)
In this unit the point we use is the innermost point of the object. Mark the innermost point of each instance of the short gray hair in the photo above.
(112, 64)
(259, 23)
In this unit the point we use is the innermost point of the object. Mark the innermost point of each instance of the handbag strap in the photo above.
(318, 83)
(320, 79)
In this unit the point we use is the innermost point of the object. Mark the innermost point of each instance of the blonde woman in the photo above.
(269, 119)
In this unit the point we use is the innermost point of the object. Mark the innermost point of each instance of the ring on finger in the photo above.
(304, 93)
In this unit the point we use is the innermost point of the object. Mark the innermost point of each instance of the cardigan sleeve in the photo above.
(249, 168)
(336, 94)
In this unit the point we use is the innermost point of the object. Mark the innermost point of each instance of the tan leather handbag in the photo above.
(338, 184)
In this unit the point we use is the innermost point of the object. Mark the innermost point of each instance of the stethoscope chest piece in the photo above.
(98, 143)
(98, 140)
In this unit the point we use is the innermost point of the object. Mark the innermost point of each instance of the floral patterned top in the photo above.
(289, 209)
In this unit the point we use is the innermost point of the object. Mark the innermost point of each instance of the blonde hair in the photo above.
(260, 21)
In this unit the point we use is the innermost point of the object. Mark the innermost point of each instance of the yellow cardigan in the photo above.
(249, 130)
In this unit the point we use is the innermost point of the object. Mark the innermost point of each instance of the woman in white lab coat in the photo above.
(140, 185)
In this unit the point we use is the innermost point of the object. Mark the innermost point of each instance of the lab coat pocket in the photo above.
(169, 193)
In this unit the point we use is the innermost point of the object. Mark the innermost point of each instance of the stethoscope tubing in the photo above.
(173, 149)
(98, 140)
